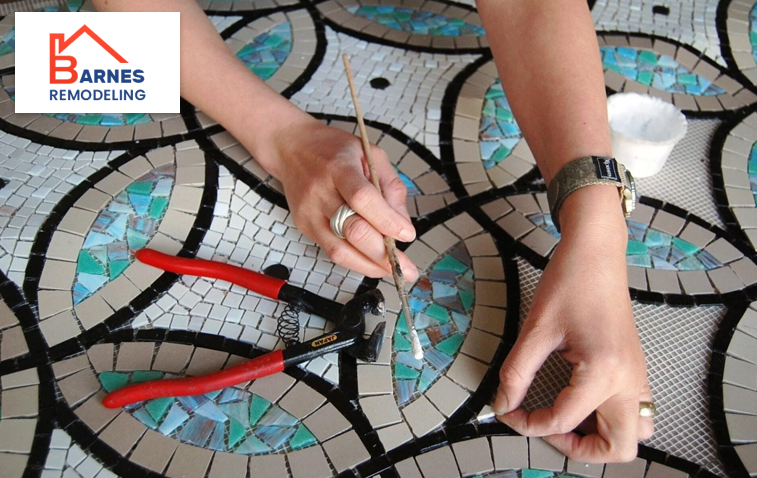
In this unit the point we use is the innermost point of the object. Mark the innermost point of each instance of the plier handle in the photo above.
(349, 319)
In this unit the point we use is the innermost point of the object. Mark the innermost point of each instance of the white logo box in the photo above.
(148, 41)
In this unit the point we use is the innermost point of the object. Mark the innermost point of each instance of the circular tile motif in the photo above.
(671, 72)
(489, 151)
(667, 253)
(427, 24)
(89, 270)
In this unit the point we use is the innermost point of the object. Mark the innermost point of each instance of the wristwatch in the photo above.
(588, 171)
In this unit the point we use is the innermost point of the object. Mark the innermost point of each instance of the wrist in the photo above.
(594, 213)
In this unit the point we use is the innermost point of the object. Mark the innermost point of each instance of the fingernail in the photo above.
(500, 404)
(406, 235)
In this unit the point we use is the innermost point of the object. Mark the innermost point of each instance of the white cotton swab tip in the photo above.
(416, 342)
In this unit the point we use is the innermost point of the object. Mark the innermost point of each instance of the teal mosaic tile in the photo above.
(498, 132)
(658, 71)
(416, 21)
(752, 171)
(442, 300)
(124, 226)
(231, 420)
(268, 51)
(650, 248)
(412, 188)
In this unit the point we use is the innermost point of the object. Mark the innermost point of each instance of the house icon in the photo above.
(58, 40)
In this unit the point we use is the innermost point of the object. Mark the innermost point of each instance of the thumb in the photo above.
(526, 357)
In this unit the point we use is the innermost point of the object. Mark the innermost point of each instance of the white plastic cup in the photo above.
(643, 130)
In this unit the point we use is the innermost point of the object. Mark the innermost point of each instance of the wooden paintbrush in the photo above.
(391, 247)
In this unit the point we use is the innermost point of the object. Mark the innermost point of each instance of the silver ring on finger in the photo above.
(338, 219)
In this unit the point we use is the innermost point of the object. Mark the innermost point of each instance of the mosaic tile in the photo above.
(658, 71)
(125, 226)
(442, 300)
(268, 51)
(415, 21)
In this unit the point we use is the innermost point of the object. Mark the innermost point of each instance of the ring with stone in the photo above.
(338, 219)
(647, 409)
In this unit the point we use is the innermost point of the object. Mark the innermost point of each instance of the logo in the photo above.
(326, 340)
(97, 62)
(607, 168)
(59, 43)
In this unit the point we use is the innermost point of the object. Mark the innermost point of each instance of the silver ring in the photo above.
(338, 219)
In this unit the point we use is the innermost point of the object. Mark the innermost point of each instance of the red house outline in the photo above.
(72, 60)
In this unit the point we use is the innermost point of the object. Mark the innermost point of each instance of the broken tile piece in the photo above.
(439, 463)
(510, 452)
(346, 451)
(544, 457)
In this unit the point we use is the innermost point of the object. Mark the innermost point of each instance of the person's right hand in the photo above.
(582, 309)
(323, 168)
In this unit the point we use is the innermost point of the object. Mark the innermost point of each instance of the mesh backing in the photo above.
(677, 345)
(685, 180)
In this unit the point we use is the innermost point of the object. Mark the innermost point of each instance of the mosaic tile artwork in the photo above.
(658, 71)
(125, 226)
(415, 21)
(499, 133)
(268, 51)
(443, 304)
(230, 420)
(79, 316)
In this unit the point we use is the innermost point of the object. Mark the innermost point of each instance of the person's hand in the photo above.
(323, 168)
(583, 310)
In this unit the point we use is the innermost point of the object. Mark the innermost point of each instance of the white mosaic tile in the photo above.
(412, 104)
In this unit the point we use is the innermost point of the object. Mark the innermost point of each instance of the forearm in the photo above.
(215, 81)
(548, 60)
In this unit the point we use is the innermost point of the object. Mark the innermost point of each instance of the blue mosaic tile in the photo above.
(412, 188)
(650, 248)
(658, 71)
(232, 420)
(416, 21)
(123, 227)
(268, 51)
(498, 133)
(442, 301)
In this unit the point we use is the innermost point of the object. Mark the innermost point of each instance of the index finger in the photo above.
(616, 437)
(362, 196)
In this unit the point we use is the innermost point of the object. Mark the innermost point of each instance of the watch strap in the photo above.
(579, 173)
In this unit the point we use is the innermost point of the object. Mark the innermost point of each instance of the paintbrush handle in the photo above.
(391, 247)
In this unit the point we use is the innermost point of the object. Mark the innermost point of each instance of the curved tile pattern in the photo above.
(460, 301)
(12, 340)
(251, 232)
(293, 423)
(19, 402)
(243, 5)
(736, 378)
(277, 48)
(67, 459)
(742, 39)
(670, 72)
(737, 174)
(516, 456)
(89, 270)
(667, 253)
(487, 142)
(89, 128)
(426, 24)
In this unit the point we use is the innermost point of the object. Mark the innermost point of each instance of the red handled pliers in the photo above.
(348, 333)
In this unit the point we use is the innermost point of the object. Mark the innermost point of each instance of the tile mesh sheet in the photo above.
(677, 345)
(688, 171)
